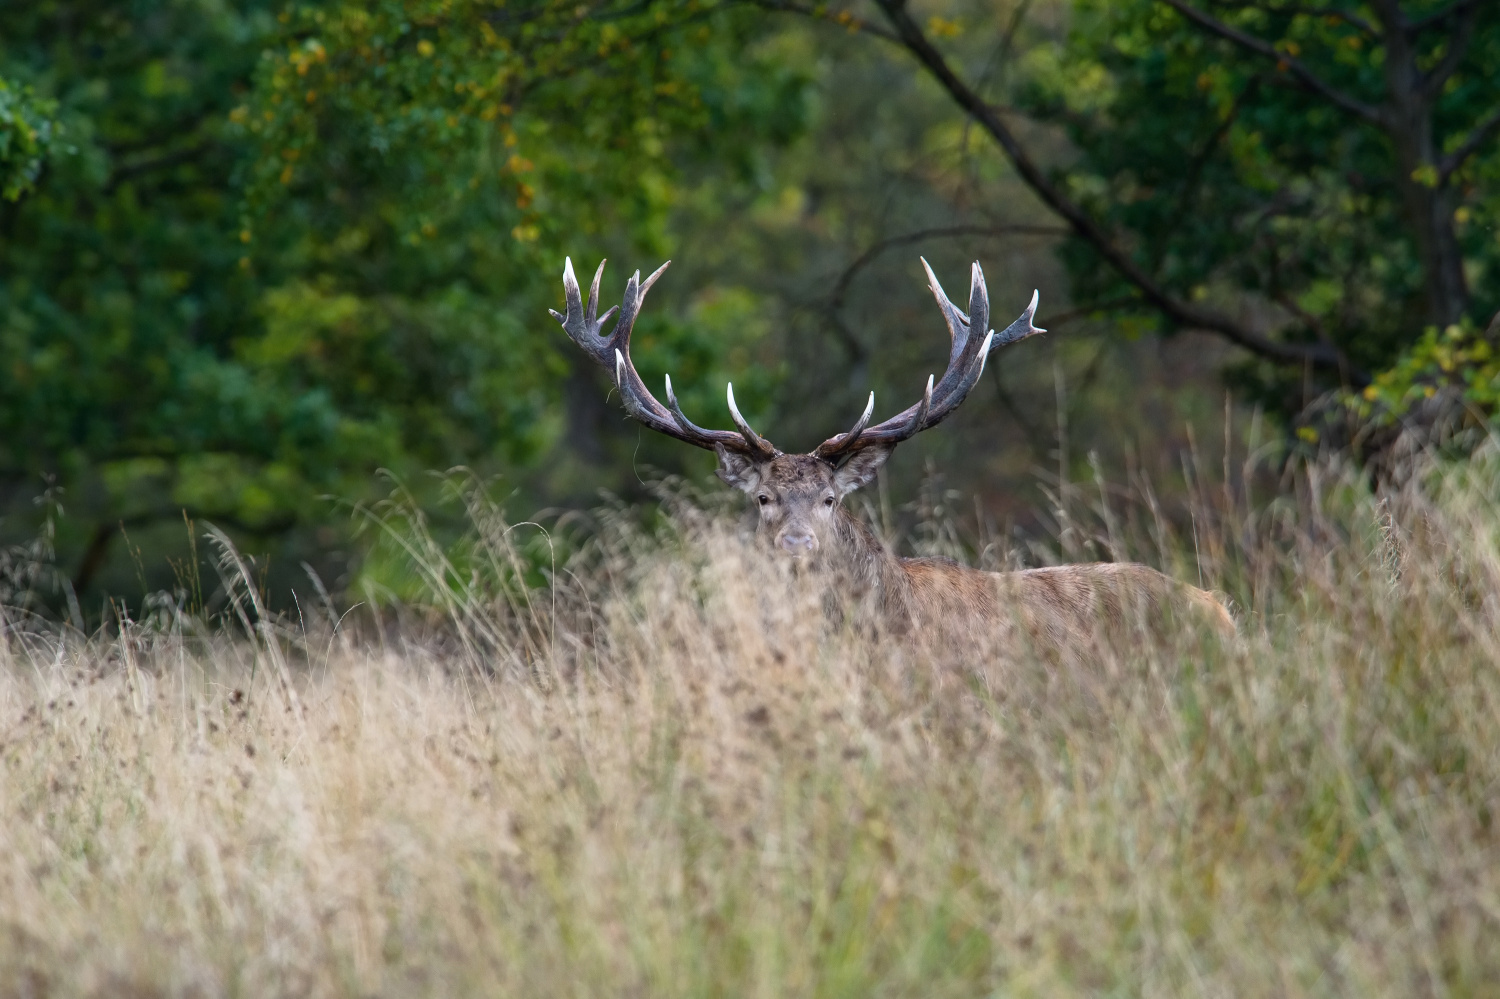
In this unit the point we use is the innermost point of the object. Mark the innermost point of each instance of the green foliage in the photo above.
(300, 243)
(1230, 182)
(1459, 356)
(28, 136)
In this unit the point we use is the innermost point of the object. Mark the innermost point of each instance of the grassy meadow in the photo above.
(673, 773)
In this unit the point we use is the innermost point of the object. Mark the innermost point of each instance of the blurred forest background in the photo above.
(254, 252)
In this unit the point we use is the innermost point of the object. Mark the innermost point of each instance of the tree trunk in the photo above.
(1429, 211)
(1426, 196)
(589, 414)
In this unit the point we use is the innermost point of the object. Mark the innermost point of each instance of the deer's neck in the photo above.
(871, 570)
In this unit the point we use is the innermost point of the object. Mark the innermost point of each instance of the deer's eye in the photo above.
(763, 499)
(828, 501)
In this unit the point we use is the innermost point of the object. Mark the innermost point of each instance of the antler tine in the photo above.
(958, 323)
(612, 352)
(965, 349)
(569, 283)
(593, 309)
(966, 360)
(844, 442)
(923, 408)
(959, 391)
(979, 300)
(582, 325)
(686, 425)
(1023, 327)
(646, 285)
(756, 442)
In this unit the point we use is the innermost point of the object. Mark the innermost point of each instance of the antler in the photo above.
(612, 352)
(965, 365)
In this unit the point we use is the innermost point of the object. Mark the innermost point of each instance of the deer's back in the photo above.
(1058, 603)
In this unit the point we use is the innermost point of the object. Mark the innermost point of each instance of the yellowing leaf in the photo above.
(1426, 175)
(943, 27)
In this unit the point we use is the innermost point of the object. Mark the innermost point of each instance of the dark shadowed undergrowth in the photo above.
(678, 770)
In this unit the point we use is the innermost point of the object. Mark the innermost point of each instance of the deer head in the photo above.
(799, 495)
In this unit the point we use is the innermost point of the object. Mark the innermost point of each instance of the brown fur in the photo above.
(800, 502)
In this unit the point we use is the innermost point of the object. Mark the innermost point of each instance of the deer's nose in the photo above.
(798, 542)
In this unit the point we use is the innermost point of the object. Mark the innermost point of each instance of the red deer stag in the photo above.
(800, 495)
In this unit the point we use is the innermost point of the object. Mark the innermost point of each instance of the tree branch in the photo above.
(163, 162)
(1183, 313)
(1194, 173)
(1033, 434)
(841, 287)
(1481, 134)
(1059, 319)
(1458, 47)
(842, 18)
(1307, 78)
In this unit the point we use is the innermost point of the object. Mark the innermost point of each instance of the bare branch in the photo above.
(1183, 313)
(1482, 133)
(1307, 78)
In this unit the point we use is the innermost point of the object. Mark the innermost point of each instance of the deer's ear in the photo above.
(861, 468)
(739, 470)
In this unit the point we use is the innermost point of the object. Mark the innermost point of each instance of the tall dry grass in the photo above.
(675, 773)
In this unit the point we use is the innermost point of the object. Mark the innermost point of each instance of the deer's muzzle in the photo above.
(797, 541)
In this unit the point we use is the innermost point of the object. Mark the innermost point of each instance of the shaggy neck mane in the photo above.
(868, 566)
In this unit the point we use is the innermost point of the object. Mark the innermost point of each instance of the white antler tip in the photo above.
(619, 368)
(651, 278)
(734, 410)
